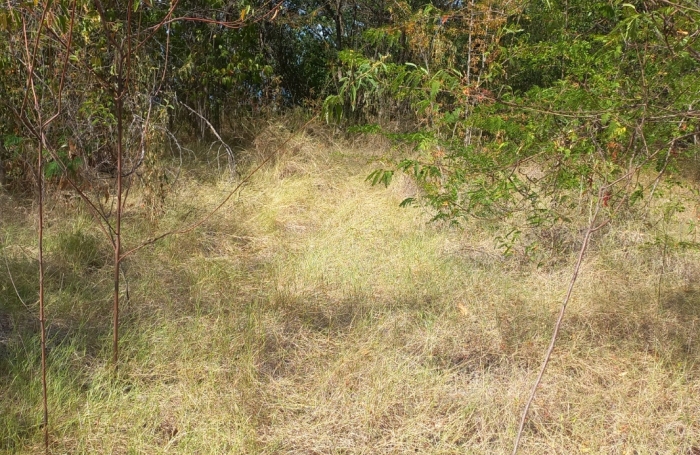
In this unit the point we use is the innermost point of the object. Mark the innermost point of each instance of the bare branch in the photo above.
(231, 157)
(240, 184)
(592, 227)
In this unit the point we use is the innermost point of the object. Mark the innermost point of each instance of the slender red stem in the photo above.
(42, 314)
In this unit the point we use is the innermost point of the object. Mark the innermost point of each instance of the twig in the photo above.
(240, 184)
(663, 269)
(142, 142)
(179, 147)
(9, 273)
(592, 227)
(231, 158)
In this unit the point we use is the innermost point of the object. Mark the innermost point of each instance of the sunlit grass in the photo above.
(312, 315)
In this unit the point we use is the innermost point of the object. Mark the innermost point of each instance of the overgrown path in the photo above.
(315, 316)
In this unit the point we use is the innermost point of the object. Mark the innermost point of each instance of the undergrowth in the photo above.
(313, 315)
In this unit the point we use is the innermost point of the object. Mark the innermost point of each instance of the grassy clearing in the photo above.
(315, 316)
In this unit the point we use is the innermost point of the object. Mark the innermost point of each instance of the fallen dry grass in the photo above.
(314, 316)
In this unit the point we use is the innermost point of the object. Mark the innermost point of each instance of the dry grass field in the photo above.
(313, 315)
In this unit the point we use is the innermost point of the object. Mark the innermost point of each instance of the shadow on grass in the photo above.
(667, 331)
(77, 328)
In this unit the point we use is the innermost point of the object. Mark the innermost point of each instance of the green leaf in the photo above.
(409, 201)
(52, 169)
(11, 140)
(380, 176)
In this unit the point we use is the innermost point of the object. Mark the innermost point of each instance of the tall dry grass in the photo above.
(314, 316)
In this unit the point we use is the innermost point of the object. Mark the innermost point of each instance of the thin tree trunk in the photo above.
(339, 30)
(42, 313)
(119, 103)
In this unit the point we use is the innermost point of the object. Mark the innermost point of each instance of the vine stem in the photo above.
(592, 227)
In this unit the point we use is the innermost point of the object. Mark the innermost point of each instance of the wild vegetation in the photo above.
(315, 315)
(198, 256)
